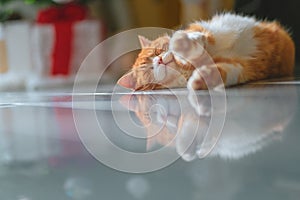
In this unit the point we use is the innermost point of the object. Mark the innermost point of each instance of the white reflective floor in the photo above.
(44, 138)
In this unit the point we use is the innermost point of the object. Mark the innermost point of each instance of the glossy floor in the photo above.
(51, 146)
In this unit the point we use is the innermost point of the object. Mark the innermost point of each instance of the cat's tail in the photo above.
(288, 54)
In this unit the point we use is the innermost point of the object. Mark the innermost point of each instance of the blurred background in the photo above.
(34, 25)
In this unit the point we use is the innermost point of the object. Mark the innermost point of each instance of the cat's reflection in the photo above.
(254, 118)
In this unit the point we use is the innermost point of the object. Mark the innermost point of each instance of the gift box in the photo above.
(15, 58)
(61, 39)
(49, 52)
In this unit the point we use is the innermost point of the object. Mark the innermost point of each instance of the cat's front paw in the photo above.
(187, 46)
(205, 77)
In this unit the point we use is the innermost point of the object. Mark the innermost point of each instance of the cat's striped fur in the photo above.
(236, 48)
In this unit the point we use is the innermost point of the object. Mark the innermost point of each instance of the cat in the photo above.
(236, 48)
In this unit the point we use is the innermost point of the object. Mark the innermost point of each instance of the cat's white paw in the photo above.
(204, 77)
(167, 58)
(187, 47)
(180, 43)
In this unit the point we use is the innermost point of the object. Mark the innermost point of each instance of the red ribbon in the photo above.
(63, 18)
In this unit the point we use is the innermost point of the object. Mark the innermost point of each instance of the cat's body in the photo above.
(229, 49)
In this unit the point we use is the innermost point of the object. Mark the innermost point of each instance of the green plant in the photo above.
(6, 14)
(41, 2)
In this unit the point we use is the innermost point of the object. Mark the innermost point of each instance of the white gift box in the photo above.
(15, 44)
(86, 36)
(26, 51)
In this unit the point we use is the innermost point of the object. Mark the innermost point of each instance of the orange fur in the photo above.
(274, 56)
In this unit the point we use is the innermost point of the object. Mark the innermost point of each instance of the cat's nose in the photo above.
(158, 60)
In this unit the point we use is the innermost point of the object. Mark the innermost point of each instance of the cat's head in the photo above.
(156, 68)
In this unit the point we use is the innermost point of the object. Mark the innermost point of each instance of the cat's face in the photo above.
(156, 67)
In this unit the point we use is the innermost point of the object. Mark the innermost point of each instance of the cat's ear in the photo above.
(144, 41)
(128, 81)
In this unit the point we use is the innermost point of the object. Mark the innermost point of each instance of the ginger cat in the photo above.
(229, 49)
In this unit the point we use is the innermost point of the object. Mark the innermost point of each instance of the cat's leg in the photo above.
(210, 76)
(187, 46)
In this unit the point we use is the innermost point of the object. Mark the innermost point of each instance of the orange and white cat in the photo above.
(236, 48)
